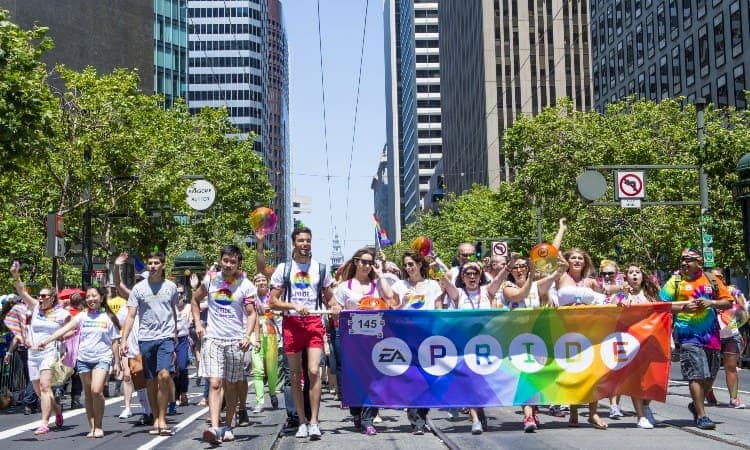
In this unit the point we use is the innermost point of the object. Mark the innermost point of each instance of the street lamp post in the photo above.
(741, 194)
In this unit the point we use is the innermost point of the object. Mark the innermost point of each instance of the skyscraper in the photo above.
(170, 49)
(238, 60)
(413, 115)
(501, 59)
(661, 49)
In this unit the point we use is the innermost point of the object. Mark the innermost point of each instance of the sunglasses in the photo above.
(520, 266)
(608, 274)
(688, 259)
(365, 262)
(471, 274)
(45, 295)
(410, 264)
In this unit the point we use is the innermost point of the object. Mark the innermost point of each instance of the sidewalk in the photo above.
(338, 430)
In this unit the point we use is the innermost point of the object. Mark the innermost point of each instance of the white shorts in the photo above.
(222, 359)
(39, 363)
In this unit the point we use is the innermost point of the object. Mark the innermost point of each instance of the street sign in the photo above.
(708, 257)
(499, 248)
(708, 239)
(630, 202)
(200, 195)
(59, 247)
(630, 184)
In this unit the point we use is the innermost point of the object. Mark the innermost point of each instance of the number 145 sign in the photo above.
(366, 324)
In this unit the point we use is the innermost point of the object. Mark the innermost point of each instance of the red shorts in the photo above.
(302, 332)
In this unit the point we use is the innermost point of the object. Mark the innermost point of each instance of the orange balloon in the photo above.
(372, 303)
(544, 256)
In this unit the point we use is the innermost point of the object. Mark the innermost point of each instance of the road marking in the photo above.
(158, 440)
(66, 415)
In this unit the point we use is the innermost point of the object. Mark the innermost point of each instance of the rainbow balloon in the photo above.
(263, 220)
(734, 316)
(544, 257)
(422, 245)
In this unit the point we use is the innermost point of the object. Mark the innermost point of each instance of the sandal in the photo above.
(166, 432)
(44, 429)
(597, 423)
(154, 431)
(98, 434)
(91, 434)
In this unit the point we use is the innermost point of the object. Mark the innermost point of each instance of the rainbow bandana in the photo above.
(473, 358)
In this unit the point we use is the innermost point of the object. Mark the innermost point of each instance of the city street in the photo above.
(674, 431)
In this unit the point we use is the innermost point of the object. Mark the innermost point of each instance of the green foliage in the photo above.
(553, 148)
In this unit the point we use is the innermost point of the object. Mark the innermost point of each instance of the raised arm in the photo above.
(260, 255)
(122, 289)
(560, 232)
(546, 282)
(384, 287)
(30, 301)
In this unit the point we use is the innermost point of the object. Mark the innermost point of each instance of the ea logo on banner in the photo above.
(437, 355)
(618, 349)
(483, 354)
(391, 356)
(528, 353)
(499, 248)
(574, 352)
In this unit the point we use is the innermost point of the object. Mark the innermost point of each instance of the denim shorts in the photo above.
(85, 366)
(157, 355)
(698, 363)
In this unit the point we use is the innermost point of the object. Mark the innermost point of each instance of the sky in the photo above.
(341, 30)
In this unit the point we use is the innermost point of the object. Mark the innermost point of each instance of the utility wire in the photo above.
(325, 128)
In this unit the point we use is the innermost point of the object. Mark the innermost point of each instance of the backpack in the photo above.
(288, 282)
(711, 279)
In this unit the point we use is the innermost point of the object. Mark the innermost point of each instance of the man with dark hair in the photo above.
(696, 297)
(305, 286)
(230, 325)
(154, 301)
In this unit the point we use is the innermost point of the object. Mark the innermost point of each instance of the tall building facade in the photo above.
(104, 34)
(170, 49)
(501, 59)
(413, 113)
(238, 59)
(665, 48)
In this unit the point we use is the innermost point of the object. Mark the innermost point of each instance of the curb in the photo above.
(448, 442)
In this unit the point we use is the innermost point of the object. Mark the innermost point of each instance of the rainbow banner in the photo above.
(407, 358)
(380, 233)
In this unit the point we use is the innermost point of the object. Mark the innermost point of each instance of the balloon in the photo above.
(263, 220)
(422, 245)
(372, 303)
(734, 316)
(544, 256)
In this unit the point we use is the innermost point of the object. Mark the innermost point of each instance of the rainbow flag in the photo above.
(473, 358)
(380, 233)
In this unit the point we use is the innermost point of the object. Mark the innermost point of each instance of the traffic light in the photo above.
(478, 250)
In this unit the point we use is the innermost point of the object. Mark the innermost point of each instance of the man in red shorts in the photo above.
(299, 287)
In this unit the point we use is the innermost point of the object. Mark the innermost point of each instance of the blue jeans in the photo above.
(183, 356)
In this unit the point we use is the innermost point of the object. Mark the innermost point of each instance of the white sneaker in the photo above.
(228, 436)
(736, 403)
(314, 431)
(126, 414)
(258, 409)
(615, 412)
(476, 428)
(302, 431)
(377, 419)
(645, 424)
(649, 414)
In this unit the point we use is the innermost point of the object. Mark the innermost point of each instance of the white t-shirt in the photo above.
(348, 298)
(421, 296)
(531, 300)
(183, 320)
(155, 303)
(226, 305)
(133, 349)
(96, 335)
(478, 299)
(44, 324)
(304, 280)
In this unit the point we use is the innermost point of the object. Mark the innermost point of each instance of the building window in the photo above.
(629, 53)
(676, 70)
(604, 75)
(639, 44)
(689, 62)
(735, 18)
(620, 61)
(674, 26)
(661, 25)
(652, 89)
(701, 8)
(687, 13)
(610, 24)
(596, 81)
(641, 85)
(612, 68)
(631, 87)
(722, 95)
(650, 35)
(602, 34)
(648, 4)
(638, 8)
(628, 13)
(594, 47)
(664, 77)
(706, 92)
(719, 40)
(703, 53)
(739, 87)
(618, 17)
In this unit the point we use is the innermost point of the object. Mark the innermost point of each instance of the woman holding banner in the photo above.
(521, 291)
(641, 290)
(362, 279)
(576, 287)
(468, 293)
(420, 293)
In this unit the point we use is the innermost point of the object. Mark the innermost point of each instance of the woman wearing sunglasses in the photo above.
(362, 278)
(471, 292)
(46, 318)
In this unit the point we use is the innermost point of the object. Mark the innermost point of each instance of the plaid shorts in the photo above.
(222, 358)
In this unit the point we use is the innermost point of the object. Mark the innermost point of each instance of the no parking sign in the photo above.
(499, 248)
